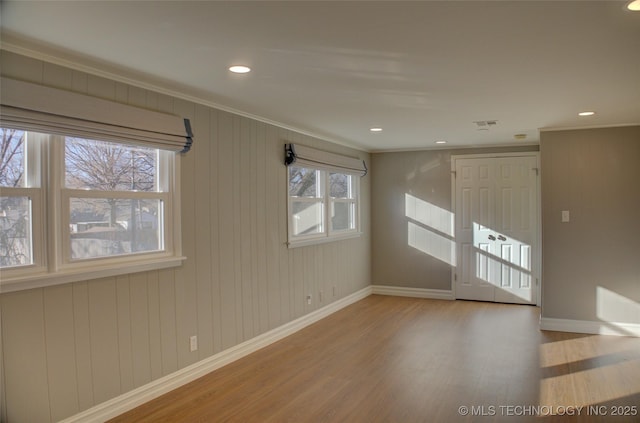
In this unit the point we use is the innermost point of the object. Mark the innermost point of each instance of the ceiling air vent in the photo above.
(484, 125)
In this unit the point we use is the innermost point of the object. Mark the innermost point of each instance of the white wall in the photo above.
(69, 347)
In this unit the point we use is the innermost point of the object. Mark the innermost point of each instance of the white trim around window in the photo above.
(52, 261)
(320, 208)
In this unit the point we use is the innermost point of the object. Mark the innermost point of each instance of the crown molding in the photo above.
(578, 128)
(94, 69)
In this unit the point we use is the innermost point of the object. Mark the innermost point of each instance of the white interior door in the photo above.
(496, 229)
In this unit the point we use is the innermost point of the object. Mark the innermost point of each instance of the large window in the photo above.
(323, 205)
(88, 186)
(74, 208)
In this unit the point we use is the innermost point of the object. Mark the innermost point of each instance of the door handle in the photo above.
(492, 238)
(502, 238)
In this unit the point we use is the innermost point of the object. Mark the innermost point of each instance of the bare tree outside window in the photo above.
(306, 193)
(321, 202)
(302, 182)
(12, 158)
(15, 223)
(103, 166)
(339, 185)
(111, 225)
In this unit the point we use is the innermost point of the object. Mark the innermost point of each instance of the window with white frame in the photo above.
(20, 200)
(107, 204)
(307, 196)
(323, 201)
(343, 201)
(88, 187)
(113, 200)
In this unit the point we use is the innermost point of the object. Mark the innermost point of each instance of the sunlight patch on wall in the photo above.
(429, 215)
(431, 243)
(430, 229)
(614, 308)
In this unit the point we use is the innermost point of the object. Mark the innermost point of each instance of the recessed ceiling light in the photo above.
(376, 129)
(240, 69)
(586, 113)
(441, 142)
(634, 6)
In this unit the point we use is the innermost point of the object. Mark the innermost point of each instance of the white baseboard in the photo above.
(434, 294)
(146, 393)
(590, 327)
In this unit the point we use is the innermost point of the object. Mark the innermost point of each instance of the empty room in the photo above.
(319, 211)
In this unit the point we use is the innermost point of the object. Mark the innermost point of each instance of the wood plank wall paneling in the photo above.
(103, 338)
(203, 237)
(124, 332)
(82, 335)
(67, 348)
(25, 367)
(58, 320)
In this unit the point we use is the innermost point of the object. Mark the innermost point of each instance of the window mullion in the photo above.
(54, 201)
(81, 193)
(328, 204)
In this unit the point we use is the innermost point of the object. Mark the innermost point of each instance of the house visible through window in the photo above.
(88, 186)
(107, 204)
(115, 202)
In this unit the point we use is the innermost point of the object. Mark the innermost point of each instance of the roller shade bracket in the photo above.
(189, 137)
(289, 154)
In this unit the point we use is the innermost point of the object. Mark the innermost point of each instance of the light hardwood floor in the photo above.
(395, 359)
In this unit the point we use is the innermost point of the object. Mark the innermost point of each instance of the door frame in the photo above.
(537, 263)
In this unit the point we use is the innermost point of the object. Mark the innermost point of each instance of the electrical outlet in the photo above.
(309, 299)
(320, 296)
(193, 343)
(333, 293)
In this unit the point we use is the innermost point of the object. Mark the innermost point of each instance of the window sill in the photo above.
(322, 240)
(41, 280)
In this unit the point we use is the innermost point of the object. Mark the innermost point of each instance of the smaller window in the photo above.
(323, 205)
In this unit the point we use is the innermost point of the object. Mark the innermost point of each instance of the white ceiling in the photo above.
(423, 71)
